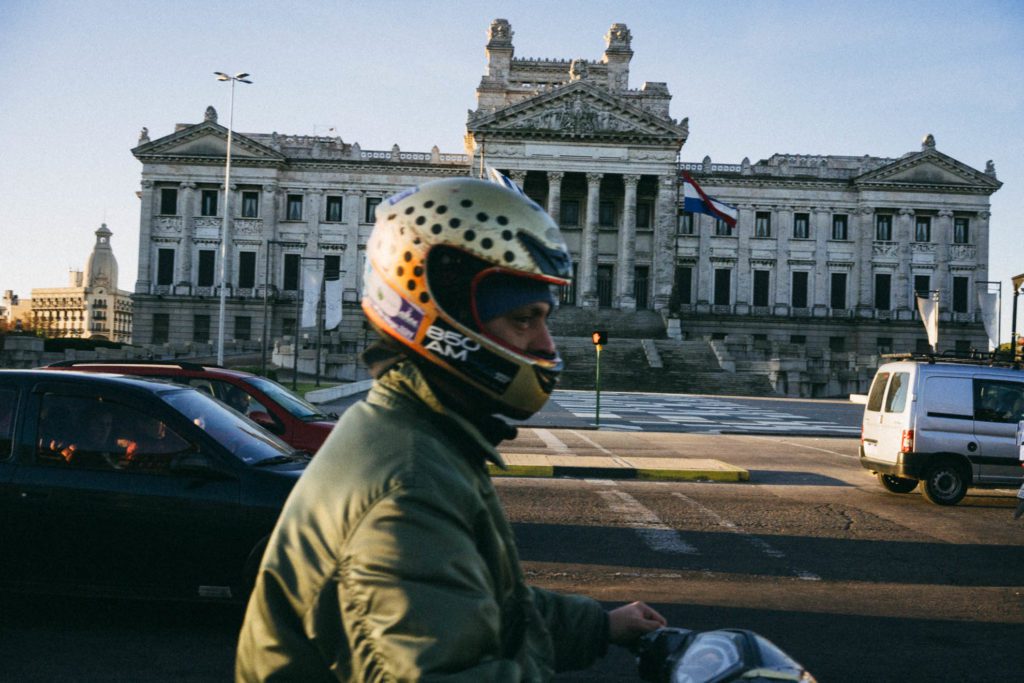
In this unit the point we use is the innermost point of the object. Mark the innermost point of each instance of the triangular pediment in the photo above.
(578, 110)
(929, 169)
(204, 141)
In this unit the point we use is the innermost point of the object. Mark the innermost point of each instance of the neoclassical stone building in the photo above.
(827, 253)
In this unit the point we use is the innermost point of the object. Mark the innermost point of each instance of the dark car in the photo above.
(125, 485)
(264, 401)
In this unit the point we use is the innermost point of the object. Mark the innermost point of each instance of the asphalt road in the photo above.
(856, 583)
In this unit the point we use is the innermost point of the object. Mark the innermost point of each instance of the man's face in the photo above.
(524, 329)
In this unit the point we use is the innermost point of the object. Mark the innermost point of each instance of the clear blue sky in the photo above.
(78, 80)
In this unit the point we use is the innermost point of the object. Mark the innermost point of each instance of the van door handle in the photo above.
(971, 446)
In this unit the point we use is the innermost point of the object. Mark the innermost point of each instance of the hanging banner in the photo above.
(988, 304)
(311, 275)
(332, 304)
(928, 307)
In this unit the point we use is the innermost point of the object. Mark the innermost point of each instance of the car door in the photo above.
(105, 520)
(998, 407)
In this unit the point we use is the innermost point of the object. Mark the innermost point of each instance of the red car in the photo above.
(297, 422)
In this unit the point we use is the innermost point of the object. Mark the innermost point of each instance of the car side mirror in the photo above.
(267, 421)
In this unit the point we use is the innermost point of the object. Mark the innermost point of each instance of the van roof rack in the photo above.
(184, 365)
(972, 357)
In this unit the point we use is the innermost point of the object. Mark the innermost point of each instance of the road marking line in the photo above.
(823, 450)
(655, 534)
(755, 541)
(551, 441)
(619, 461)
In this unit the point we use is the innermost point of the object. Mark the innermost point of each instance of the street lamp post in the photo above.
(1018, 282)
(241, 78)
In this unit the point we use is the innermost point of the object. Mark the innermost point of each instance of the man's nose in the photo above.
(541, 342)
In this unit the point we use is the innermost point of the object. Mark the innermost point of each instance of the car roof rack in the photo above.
(994, 359)
(184, 365)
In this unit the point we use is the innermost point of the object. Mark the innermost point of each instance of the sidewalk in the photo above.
(613, 467)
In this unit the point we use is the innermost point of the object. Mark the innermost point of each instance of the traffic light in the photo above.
(599, 337)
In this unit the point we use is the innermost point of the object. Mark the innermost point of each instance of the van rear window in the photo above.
(896, 399)
(877, 391)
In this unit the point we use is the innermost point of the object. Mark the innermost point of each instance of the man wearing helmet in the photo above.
(393, 559)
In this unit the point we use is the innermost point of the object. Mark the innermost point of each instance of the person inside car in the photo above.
(393, 559)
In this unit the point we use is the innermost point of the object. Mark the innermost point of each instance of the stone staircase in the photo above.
(687, 367)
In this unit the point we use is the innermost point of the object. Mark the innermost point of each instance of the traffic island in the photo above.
(603, 467)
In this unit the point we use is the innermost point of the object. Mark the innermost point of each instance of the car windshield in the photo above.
(293, 404)
(246, 440)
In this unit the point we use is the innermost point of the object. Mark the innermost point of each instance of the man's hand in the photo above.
(629, 622)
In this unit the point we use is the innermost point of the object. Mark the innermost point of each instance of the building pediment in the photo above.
(928, 170)
(205, 141)
(578, 111)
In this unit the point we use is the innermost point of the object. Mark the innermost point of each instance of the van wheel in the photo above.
(896, 484)
(944, 484)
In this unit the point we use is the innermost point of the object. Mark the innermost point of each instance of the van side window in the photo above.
(877, 391)
(896, 400)
(997, 401)
(7, 404)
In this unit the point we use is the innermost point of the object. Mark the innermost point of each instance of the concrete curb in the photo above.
(341, 391)
(600, 467)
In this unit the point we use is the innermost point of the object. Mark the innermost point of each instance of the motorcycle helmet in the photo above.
(431, 248)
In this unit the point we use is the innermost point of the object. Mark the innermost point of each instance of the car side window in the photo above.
(236, 397)
(899, 387)
(998, 401)
(8, 403)
(877, 391)
(84, 432)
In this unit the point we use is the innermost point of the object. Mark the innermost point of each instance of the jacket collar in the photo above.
(405, 382)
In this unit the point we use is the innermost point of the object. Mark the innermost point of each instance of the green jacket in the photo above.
(393, 560)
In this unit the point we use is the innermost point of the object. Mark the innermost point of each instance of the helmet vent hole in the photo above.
(407, 256)
(420, 220)
(401, 271)
(436, 228)
(455, 222)
(428, 204)
(486, 243)
(506, 235)
(509, 257)
(502, 220)
(418, 271)
(482, 217)
(442, 209)
(466, 203)
(411, 284)
(424, 297)
(409, 210)
(469, 235)
(392, 217)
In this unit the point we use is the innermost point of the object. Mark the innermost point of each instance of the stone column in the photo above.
(744, 295)
(821, 231)
(229, 242)
(268, 212)
(942, 236)
(625, 298)
(901, 286)
(864, 228)
(518, 177)
(145, 278)
(555, 195)
(664, 255)
(783, 230)
(352, 278)
(588, 248)
(185, 274)
(978, 236)
(703, 226)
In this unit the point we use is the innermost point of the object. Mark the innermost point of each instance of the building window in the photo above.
(798, 339)
(962, 347)
(960, 298)
(570, 213)
(208, 203)
(799, 293)
(243, 328)
(207, 259)
(288, 327)
(685, 223)
(643, 214)
(640, 286)
(801, 226)
(293, 207)
(567, 294)
(837, 344)
(722, 229)
(762, 278)
(922, 285)
(883, 227)
(606, 214)
(838, 292)
(332, 267)
(200, 328)
(961, 230)
(840, 226)
(763, 224)
(371, 209)
(250, 204)
(883, 291)
(723, 285)
(246, 269)
(161, 328)
(605, 277)
(684, 284)
(334, 210)
(291, 272)
(883, 344)
(923, 229)
(164, 266)
(921, 345)
(168, 201)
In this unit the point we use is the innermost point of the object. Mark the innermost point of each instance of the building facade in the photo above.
(91, 306)
(828, 251)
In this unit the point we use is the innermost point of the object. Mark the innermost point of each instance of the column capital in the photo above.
(187, 186)
(518, 175)
(555, 176)
(631, 179)
(146, 184)
(906, 212)
(984, 215)
(865, 210)
(272, 188)
(945, 213)
(594, 178)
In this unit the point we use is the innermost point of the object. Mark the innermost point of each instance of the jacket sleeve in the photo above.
(416, 599)
(578, 626)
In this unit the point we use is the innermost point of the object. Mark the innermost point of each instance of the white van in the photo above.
(947, 424)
